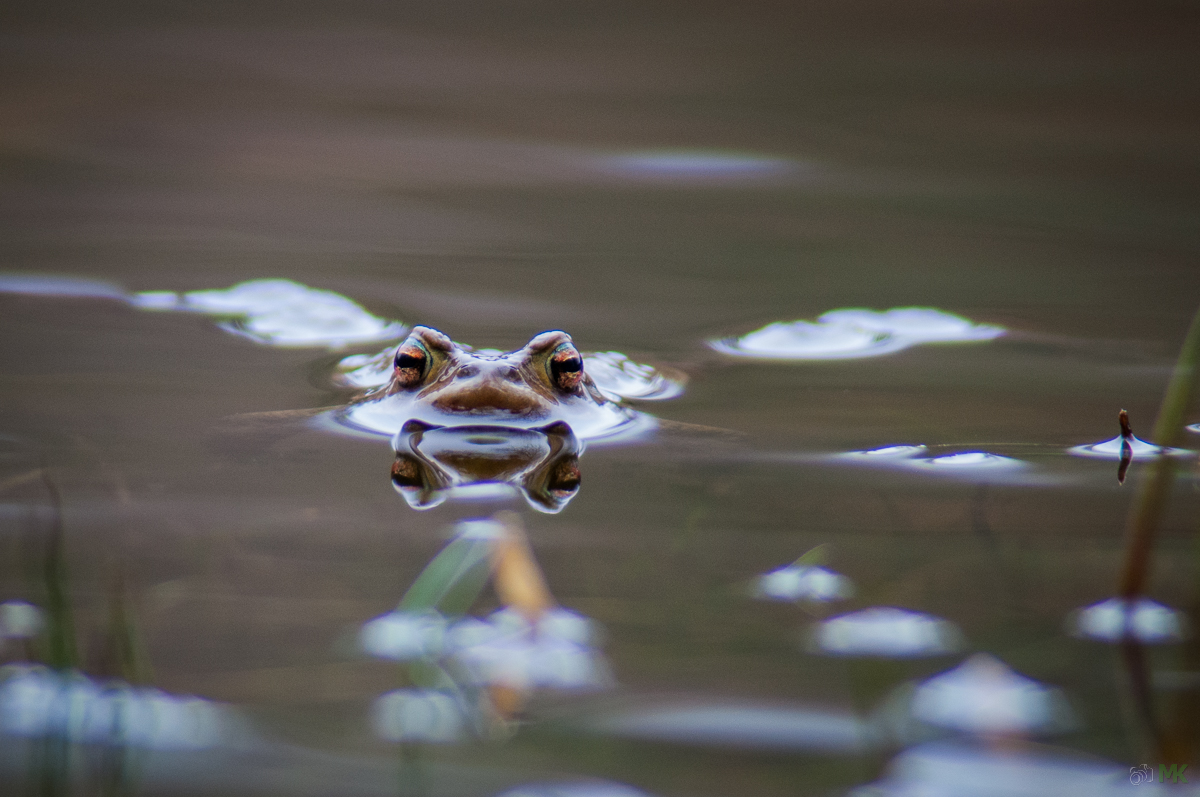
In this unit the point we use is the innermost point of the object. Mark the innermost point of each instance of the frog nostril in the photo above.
(466, 372)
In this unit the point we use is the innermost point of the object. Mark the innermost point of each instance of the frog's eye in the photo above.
(566, 367)
(412, 363)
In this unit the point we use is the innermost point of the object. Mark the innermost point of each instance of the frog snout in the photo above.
(493, 395)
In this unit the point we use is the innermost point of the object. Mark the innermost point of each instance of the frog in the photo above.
(433, 380)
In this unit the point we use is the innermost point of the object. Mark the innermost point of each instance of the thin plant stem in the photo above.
(1151, 500)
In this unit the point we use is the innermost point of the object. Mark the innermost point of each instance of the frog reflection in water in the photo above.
(434, 462)
(473, 421)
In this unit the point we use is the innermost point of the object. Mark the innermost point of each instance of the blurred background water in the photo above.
(650, 177)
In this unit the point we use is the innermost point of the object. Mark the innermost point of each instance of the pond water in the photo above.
(852, 555)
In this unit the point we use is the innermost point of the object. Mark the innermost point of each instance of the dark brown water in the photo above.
(461, 166)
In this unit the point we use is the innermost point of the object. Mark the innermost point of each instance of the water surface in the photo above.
(648, 180)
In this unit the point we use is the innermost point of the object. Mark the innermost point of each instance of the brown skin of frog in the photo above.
(527, 383)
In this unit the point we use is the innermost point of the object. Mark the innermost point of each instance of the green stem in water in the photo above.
(1151, 500)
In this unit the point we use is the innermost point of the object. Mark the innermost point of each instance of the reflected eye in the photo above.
(566, 367)
(412, 363)
(406, 472)
(564, 480)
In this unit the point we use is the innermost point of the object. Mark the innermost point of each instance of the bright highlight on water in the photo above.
(693, 165)
(274, 312)
(855, 333)
(279, 312)
(38, 702)
(797, 582)
(887, 632)
(1116, 620)
(915, 457)
(985, 696)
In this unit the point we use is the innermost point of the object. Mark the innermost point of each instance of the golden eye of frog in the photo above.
(442, 383)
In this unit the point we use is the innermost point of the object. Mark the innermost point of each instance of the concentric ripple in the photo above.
(1113, 449)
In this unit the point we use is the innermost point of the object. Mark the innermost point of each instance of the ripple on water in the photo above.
(1113, 449)
(609, 423)
(274, 312)
(887, 632)
(968, 769)
(1115, 620)
(887, 453)
(802, 582)
(280, 312)
(419, 715)
(588, 788)
(64, 287)
(981, 464)
(984, 696)
(971, 460)
(619, 377)
(37, 702)
(692, 166)
(854, 333)
(739, 725)
(20, 620)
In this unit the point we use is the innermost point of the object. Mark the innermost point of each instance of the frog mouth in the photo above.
(491, 399)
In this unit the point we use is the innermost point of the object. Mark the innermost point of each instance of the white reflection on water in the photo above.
(960, 769)
(1195, 427)
(1112, 449)
(36, 702)
(507, 649)
(887, 632)
(974, 460)
(888, 453)
(696, 165)
(619, 377)
(753, 726)
(387, 415)
(1116, 619)
(19, 620)
(592, 788)
(274, 312)
(557, 651)
(418, 715)
(403, 636)
(854, 333)
(64, 287)
(971, 464)
(279, 312)
(984, 696)
(802, 582)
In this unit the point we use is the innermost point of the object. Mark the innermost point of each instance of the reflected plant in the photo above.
(1180, 742)
(1127, 439)
(467, 676)
(106, 719)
